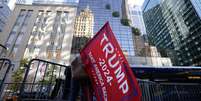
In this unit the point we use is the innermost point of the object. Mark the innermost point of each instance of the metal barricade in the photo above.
(10, 91)
(3, 50)
(152, 91)
(5, 65)
(41, 80)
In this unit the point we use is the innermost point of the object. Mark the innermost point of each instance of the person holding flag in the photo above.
(103, 62)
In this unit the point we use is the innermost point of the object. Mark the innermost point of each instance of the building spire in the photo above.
(87, 9)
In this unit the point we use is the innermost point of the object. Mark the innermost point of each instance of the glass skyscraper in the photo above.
(135, 15)
(197, 6)
(110, 10)
(175, 26)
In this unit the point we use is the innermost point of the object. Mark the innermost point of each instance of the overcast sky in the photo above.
(136, 2)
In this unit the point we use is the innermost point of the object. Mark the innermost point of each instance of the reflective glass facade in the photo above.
(197, 6)
(102, 10)
(135, 15)
(174, 25)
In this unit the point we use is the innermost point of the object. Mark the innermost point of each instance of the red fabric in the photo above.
(111, 76)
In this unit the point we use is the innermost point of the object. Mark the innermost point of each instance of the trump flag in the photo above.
(110, 74)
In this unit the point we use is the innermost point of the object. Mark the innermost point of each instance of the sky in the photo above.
(135, 2)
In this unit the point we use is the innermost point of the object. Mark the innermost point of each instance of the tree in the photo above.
(136, 31)
(115, 14)
(108, 6)
(125, 22)
(17, 76)
(143, 52)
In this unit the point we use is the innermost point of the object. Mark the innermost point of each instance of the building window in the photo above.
(19, 38)
(11, 38)
(29, 13)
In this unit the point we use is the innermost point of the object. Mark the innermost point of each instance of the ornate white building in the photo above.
(41, 31)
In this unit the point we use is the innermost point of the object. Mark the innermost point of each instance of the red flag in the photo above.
(111, 76)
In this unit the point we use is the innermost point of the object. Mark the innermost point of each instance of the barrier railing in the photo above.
(3, 50)
(44, 80)
(5, 65)
(41, 80)
(152, 91)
